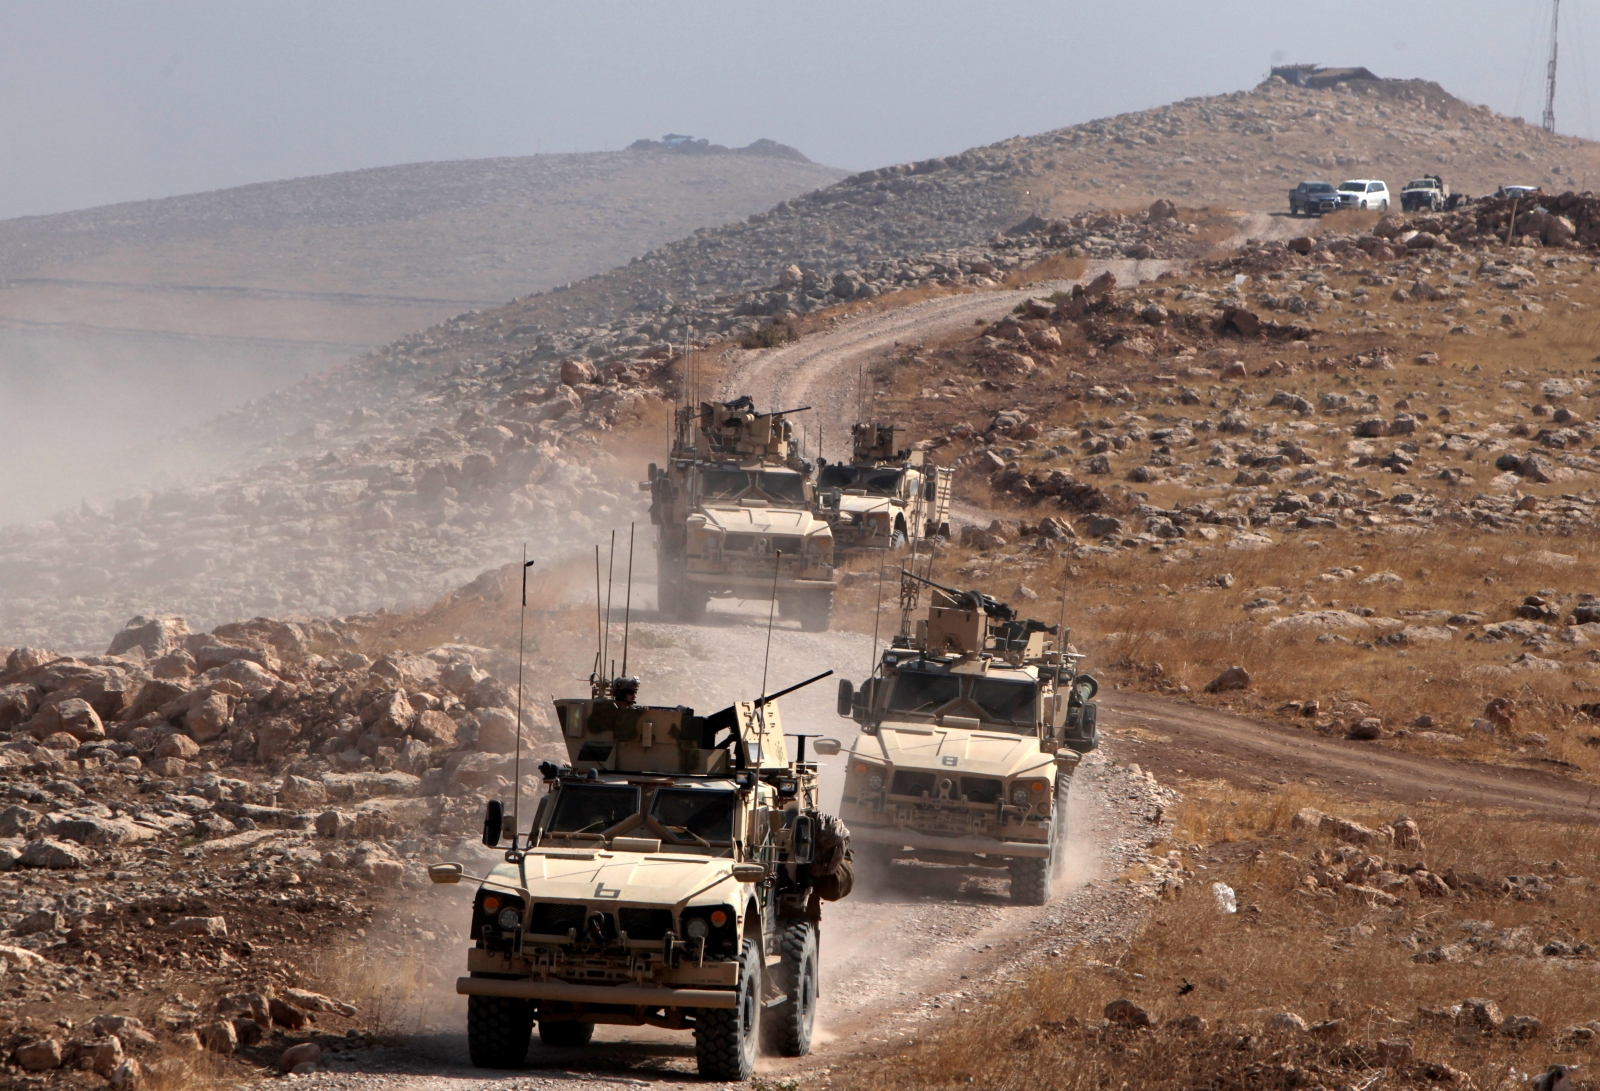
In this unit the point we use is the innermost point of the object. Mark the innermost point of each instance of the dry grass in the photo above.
(1323, 956)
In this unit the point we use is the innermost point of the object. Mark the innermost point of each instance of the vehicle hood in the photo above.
(764, 520)
(559, 875)
(864, 505)
(931, 747)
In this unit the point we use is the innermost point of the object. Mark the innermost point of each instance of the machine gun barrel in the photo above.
(760, 701)
(782, 412)
(991, 606)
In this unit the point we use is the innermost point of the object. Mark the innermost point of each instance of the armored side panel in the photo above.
(641, 739)
(952, 630)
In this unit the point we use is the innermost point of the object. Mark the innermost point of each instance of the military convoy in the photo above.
(971, 728)
(672, 876)
(734, 510)
(885, 496)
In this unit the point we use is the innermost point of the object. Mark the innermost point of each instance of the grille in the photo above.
(645, 923)
(980, 789)
(553, 918)
(910, 783)
(789, 545)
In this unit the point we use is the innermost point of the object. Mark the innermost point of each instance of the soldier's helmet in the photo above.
(625, 690)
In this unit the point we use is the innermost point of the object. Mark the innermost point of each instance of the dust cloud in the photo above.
(88, 415)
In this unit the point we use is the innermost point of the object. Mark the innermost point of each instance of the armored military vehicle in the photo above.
(971, 728)
(734, 496)
(886, 495)
(672, 876)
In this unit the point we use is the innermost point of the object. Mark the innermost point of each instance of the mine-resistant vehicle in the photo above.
(672, 876)
(971, 728)
(732, 498)
(886, 495)
(1426, 193)
(1313, 199)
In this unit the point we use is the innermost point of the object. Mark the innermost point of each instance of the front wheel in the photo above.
(814, 610)
(725, 1038)
(786, 1029)
(1030, 880)
(499, 1030)
(1384, 207)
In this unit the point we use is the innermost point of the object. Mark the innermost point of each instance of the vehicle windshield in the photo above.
(723, 484)
(1004, 700)
(879, 482)
(1318, 187)
(782, 485)
(1425, 183)
(593, 808)
(918, 691)
(695, 814)
(1353, 187)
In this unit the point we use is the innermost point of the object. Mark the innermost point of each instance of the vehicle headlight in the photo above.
(1019, 795)
(875, 782)
(697, 928)
(510, 918)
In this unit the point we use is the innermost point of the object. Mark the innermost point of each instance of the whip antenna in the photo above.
(627, 603)
(772, 612)
(872, 667)
(611, 571)
(599, 642)
(516, 763)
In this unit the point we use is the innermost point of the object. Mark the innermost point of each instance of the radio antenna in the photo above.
(772, 612)
(611, 572)
(627, 603)
(872, 667)
(599, 641)
(516, 762)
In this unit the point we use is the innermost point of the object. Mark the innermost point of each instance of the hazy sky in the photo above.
(122, 101)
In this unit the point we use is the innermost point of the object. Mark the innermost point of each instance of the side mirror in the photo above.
(827, 747)
(847, 696)
(750, 873)
(653, 472)
(802, 840)
(493, 823)
(445, 873)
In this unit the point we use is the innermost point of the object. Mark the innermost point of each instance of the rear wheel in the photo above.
(565, 1035)
(499, 1030)
(786, 1029)
(725, 1038)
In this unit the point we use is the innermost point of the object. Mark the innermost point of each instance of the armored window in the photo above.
(882, 482)
(782, 485)
(918, 691)
(690, 813)
(1004, 701)
(593, 808)
(723, 484)
(837, 476)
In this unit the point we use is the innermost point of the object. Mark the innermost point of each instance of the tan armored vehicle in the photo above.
(971, 728)
(672, 876)
(885, 496)
(732, 498)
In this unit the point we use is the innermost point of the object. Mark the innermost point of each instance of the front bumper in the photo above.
(626, 995)
(986, 846)
(760, 583)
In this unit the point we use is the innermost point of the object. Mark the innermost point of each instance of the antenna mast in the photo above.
(1550, 72)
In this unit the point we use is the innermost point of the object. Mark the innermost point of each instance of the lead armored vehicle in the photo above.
(734, 496)
(672, 876)
(971, 728)
(886, 495)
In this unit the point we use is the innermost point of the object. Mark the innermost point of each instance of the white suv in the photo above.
(1364, 193)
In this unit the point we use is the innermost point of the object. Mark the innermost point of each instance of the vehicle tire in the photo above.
(1384, 207)
(1060, 828)
(1363, 206)
(667, 604)
(568, 1035)
(897, 540)
(499, 1030)
(692, 600)
(1030, 880)
(814, 610)
(786, 1029)
(725, 1038)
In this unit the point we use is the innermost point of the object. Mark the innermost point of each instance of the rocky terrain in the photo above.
(189, 306)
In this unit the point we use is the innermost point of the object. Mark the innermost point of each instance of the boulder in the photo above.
(301, 791)
(299, 1054)
(100, 1055)
(127, 1076)
(274, 739)
(18, 703)
(335, 825)
(1287, 1022)
(74, 716)
(218, 1036)
(1230, 679)
(201, 926)
(155, 635)
(390, 716)
(487, 692)
(54, 855)
(207, 720)
(178, 746)
(574, 372)
(1125, 1013)
(435, 728)
(1366, 728)
(497, 730)
(39, 1055)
